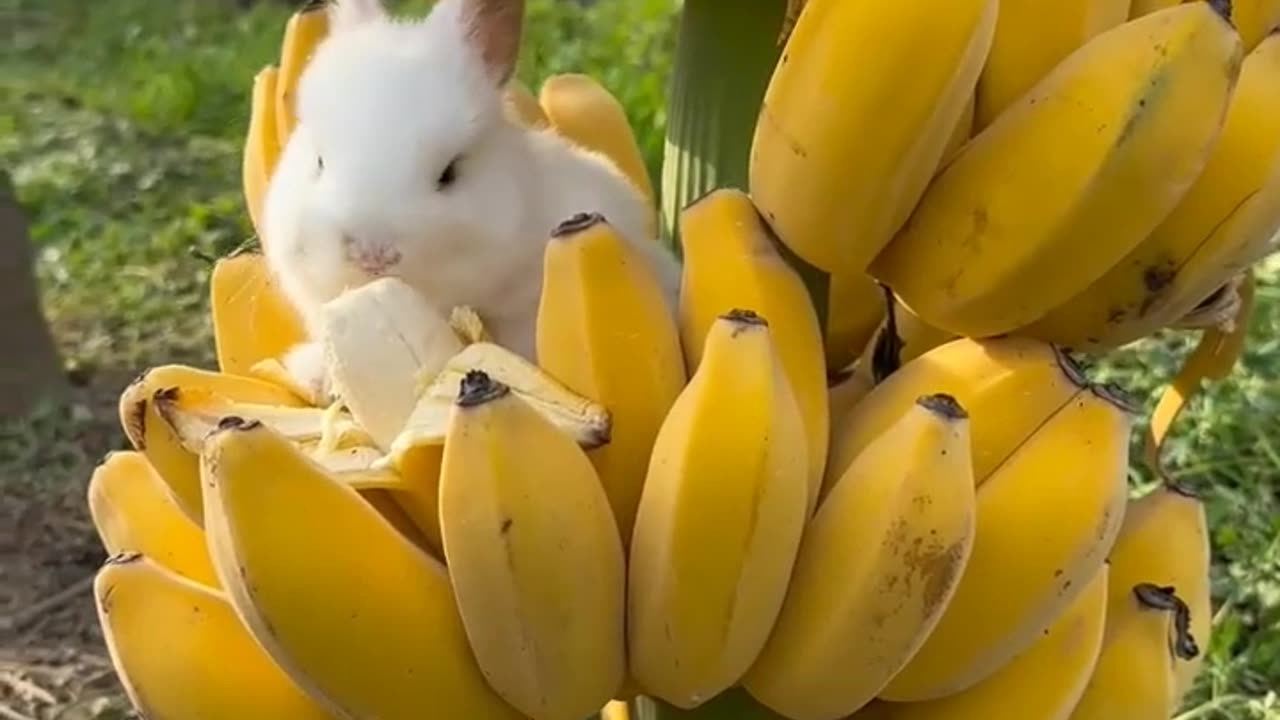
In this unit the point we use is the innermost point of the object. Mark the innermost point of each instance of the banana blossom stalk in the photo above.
(725, 54)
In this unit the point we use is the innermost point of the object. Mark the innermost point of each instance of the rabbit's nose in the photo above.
(374, 256)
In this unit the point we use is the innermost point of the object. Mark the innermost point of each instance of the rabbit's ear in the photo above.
(345, 14)
(493, 28)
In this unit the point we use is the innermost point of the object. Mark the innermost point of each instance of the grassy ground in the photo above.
(121, 122)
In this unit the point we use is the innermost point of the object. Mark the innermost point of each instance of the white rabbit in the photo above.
(404, 163)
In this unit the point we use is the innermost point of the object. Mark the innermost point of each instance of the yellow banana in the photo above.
(961, 133)
(854, 309)
(133, 511)
(164, 449)
(1145, 632)
(1255, 19)
(719, 520)
(730, 262)
(252, 319)
(823, 124)
(1218, 228)
(377, 632)
(584, 111)
(1009, 386)
(534, 556)
(1032, 37)
(1165, 539)
(878, 564)
(1106, 145)
(605, 330)
(305, 29)
(845, 389)
(1043, 683)
(419, 497)
(181, 652)
(1138, 8)
(522, 105)
(1047, 518)
(261, 144)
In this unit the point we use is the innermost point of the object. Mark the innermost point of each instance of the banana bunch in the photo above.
(855, 472)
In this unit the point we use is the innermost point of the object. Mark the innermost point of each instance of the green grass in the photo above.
(121, 121)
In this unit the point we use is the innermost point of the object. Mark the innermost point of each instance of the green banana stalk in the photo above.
(725, 54)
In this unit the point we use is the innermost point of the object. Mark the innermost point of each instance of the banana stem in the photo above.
(725, 54)
(732, 704)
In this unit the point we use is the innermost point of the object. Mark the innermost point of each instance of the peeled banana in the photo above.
(605, 330)
(1105, 146)
(535, 560)
(382, 339)
(719, 520)
(877, 567)
(1047, 517)
(165, 631)
(730, 262)
(349, 608)
(833, 117)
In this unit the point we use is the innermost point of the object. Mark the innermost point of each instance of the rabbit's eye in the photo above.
(448, 175)
(319, 164)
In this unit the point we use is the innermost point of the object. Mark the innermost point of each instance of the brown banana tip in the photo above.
(742, 316)
(1117, 396)
(1182, 489)
(135, 424)
(235, 422)
(577, 223)
(124, 557)
(1165, 597)
(166, 395)
(1071, 367)
(478, 388)
(944, 405)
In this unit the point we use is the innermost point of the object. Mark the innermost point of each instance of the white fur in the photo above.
(387, 103)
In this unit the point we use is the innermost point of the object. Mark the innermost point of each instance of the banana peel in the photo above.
(587, 421)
